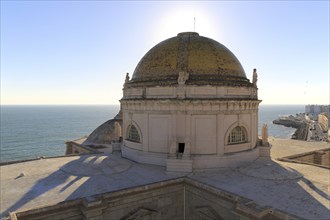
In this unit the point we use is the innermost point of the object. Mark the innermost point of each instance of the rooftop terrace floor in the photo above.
(298, 189)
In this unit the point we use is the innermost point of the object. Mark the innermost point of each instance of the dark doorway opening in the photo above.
(181, 148)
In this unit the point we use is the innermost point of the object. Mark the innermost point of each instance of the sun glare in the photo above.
(183, 20)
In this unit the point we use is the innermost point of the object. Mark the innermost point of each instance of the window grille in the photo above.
(133, 134)
(237, 135)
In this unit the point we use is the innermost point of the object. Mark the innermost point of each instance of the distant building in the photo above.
(314, 110)
(323, 120)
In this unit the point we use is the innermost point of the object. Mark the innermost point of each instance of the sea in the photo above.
(31, 131)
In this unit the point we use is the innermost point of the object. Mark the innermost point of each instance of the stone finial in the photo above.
(254, 77)
(183, 77)
(264, 135)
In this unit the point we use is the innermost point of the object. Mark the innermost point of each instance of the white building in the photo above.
(323, 120)
(189, 105)
(314, 110)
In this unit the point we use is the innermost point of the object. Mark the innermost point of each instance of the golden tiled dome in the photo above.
(205, 60)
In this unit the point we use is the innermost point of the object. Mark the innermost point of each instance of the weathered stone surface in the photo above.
(51, 193)
(104, 134)
(191, 91)
(205, 60)
(179, 165)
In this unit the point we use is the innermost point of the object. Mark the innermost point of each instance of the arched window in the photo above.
(133, 134)
(237, 135)
(118, 132)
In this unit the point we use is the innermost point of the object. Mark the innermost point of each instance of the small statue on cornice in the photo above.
(127, 77)
(183, 77)
(254, 78)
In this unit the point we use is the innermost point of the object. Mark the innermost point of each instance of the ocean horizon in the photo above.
(31, 131)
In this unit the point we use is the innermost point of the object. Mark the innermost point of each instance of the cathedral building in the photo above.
(190, 106)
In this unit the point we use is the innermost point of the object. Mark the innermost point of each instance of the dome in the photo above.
(205, 60)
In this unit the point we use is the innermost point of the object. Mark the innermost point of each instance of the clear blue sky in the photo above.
(78, 52)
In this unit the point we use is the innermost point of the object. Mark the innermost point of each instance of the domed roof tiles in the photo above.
(205, 60)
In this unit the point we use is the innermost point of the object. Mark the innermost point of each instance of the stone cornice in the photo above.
(192, 105)
(205, 79)
(186, 91)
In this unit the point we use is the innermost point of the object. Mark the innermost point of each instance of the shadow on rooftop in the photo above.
(269, 183)
(60, 181)
(266, 182)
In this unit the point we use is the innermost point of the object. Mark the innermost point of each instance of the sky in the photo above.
(78, 52)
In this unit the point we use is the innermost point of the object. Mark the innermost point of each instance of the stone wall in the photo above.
(203, 125)
(319, 157)
(76, 148)
(181, 198)
(155, 201)
(162, 203)
(322, 158)
(201, 204)
(71, 210)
